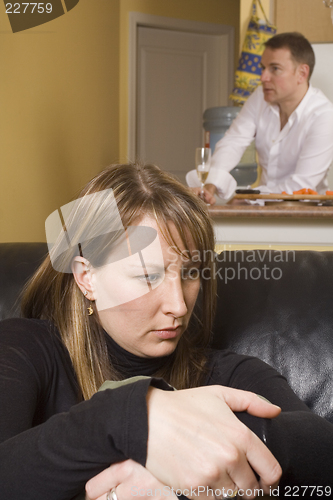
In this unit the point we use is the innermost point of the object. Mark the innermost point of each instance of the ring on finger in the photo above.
(233, 493)
(112, 495)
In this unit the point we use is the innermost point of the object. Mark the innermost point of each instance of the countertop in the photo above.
(256, 211)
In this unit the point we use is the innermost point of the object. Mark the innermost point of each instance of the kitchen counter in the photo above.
(249, 226)
(271, 211)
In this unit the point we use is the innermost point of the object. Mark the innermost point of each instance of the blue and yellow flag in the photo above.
(247, 76)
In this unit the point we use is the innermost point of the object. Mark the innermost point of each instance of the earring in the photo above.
(90, 310)
(85, 293)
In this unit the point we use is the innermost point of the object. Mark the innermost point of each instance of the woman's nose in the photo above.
(173, 298)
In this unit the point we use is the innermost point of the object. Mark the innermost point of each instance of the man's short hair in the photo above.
(300, 48)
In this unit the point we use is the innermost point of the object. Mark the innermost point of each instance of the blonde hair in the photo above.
(138, 190)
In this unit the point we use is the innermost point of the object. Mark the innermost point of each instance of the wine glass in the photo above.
(202, 165)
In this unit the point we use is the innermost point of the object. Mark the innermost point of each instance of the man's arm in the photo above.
(314, 160)
(230, 148)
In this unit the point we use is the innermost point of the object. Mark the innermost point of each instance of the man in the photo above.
(291, 122)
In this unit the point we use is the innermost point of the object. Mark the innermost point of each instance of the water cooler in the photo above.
(216, 122)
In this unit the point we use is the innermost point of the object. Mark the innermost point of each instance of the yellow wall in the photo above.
(311, 18)
(59, 115)
(63, 90)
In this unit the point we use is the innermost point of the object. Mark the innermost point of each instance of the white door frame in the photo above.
(137, 19)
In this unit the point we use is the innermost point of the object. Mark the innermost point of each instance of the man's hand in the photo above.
(209, 192)
(196, 440)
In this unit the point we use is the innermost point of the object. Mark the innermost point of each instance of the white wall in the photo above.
(322, 78)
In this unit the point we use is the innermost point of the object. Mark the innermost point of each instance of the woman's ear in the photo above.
(81, 269)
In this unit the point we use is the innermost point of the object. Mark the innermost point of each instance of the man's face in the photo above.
(281, 76)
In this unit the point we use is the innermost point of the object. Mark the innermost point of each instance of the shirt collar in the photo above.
(297, 113)
(300, 108)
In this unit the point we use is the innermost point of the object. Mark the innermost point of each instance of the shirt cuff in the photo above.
(224, 182)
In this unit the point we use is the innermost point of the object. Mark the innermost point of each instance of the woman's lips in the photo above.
(168, 333)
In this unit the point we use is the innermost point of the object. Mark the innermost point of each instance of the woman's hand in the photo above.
(130, 480)
(200, 448)
(195, 440)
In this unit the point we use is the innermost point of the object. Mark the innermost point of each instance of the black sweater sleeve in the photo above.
(56, 457)
(301, 441)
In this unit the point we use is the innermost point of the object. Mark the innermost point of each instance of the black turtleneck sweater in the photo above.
(52, 442)
(130, 365)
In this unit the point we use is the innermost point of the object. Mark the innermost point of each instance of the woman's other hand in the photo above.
(195, 440)
(131, 482)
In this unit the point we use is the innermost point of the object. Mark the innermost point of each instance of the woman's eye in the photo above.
(193, 273)
(152, 278)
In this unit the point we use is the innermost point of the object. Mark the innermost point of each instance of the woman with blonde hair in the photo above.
(117, 299)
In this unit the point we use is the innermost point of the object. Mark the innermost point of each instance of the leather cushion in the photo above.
(287, 322)
(18, 261)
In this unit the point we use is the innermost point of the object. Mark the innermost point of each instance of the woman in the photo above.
(114, 300)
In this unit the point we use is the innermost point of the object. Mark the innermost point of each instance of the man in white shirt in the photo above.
(291, 122)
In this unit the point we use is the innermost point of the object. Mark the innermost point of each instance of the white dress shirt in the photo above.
(296, 157)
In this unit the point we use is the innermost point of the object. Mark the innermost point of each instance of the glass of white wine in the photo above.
(202, 165)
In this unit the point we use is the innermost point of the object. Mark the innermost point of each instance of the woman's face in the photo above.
(145, 300)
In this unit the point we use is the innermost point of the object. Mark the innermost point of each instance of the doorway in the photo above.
(181, 68)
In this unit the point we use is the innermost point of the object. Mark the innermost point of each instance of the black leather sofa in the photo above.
(276, 305)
